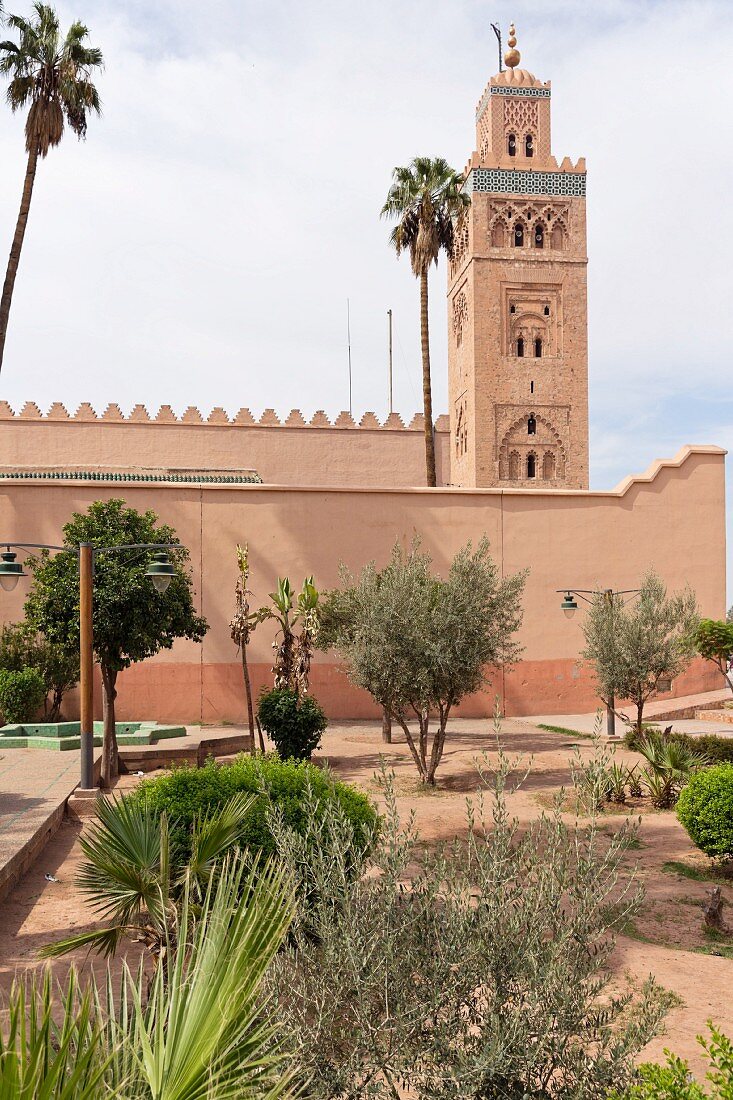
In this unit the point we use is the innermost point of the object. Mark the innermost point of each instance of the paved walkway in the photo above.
(34, 787)
(656, 711)
(36, 783)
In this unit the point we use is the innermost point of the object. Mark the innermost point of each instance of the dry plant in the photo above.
(475, 969)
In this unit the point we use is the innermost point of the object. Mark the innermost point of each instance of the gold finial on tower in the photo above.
(512, 56)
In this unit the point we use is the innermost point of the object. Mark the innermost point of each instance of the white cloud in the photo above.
(200, 246)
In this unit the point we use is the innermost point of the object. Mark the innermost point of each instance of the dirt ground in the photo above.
(667, 938)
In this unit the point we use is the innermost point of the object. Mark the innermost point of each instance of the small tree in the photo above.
(242, 627)
(714, 641)
(21, 646)
(294, 651)
(633, 646)
(130, 620)
(419, 644)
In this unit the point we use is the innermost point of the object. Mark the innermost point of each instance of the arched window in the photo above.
(538, 347)
(548, 466)
(514, 466)
(520, 347)
(547, 311)
(519, 235)
(511, 145)
(512, 309)
(529, 146)
(539, 235)
(557, 240)
(531, 465)
(531, 426)
(498, 235)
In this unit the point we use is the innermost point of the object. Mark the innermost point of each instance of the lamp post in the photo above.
(160, 571)
(569, 606)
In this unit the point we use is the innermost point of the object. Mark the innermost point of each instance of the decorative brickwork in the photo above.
(518, 366)
(515, 181)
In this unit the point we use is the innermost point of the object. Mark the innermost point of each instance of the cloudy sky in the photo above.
(199, 248)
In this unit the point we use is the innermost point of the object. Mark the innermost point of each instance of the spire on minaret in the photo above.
(512, 56)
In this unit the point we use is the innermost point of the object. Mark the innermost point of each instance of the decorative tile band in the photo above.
(515, 181)
(96, 475)
(498, 89)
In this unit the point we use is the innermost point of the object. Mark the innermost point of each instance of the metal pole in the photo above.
(348, 337)
(611, 705)
(86, 666)
(389, 314)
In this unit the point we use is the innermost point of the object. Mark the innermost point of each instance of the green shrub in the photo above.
(293, 723)
(287, 786)
(717, 750)
(21, 694)
(673, 1080)
(705, 808)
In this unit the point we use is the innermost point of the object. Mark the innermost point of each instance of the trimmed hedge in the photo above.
(293, 723)
(718, 750)
(21, 694)
(185, 792)
(705, 808)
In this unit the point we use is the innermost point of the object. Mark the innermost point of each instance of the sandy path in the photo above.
(38, 911)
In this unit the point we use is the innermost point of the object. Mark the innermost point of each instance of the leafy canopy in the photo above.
(50, 73)
(131, 621)
(418, 643)
(635, 645)
(427, 201)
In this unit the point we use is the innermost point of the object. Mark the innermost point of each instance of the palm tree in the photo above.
(49, 74)
(428, 203)
(136, 874)
(203, 1032)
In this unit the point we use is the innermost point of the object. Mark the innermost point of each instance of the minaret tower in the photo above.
(517, 312)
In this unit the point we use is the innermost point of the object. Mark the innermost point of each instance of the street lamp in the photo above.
(569, 606)
(160, 571)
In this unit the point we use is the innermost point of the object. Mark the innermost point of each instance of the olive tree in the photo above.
(714, 642)
(634, 645)
(419, 643)
(130, 620)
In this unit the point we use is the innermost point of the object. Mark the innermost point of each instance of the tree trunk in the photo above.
(427, 394)
(639, 718)
(386, 727)
(248, 693)
(15, 249)
(110, 760)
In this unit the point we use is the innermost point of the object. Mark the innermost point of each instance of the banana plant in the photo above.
(294, 651)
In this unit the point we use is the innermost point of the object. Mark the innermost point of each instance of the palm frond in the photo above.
(51, 1051)
(215, 833)
(104, 941)
(203, 1031)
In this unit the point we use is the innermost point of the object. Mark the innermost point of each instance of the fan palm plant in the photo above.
(50, 74)
(427, 200)
(669, 765)
(136, 877)
(203, 1031)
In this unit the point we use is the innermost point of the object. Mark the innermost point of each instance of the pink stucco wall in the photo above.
(380, 454)
(671, 518)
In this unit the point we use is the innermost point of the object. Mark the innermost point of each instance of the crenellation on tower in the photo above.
(517, 312)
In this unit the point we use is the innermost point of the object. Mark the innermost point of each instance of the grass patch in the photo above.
(699, 874)
(565, 731)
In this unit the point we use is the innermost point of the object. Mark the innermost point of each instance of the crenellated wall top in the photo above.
(218, 416)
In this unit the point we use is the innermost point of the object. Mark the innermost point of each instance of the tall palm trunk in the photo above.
(110, 759)
(427, 395)
(14, 260)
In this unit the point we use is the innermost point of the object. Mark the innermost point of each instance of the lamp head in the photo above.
(568, 605)
(10, 571)
(160, 571)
